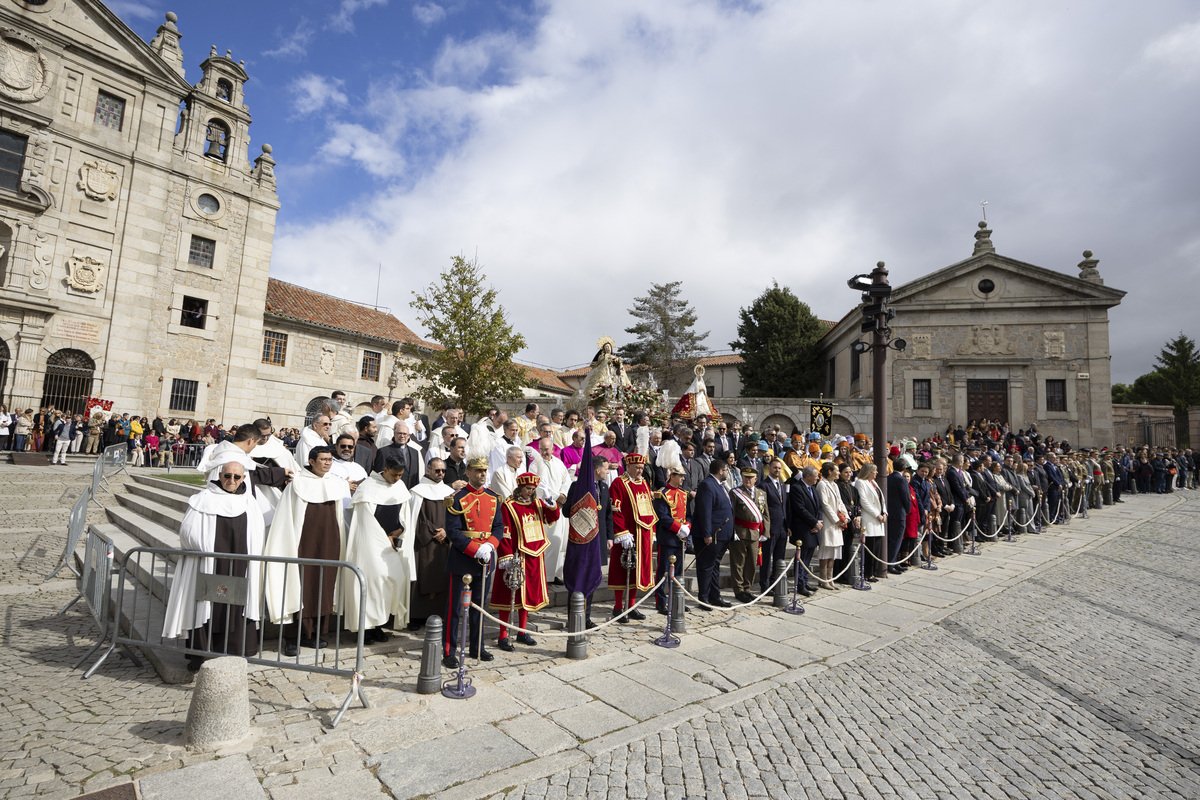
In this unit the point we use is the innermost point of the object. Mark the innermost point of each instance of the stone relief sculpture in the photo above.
(1055, 342)
(98, 180)
(920, 346)
(85, 274)
(328, 358)
(987, 340)
(43, 258)
(23, 74)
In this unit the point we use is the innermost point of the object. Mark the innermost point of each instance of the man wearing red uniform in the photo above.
(526, 518)
(633, 527)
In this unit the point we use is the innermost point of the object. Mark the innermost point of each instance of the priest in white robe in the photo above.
(224, 518)
(378, 542)
(272, 452)
(315, 435)
(504, 477)
(554, 481)
(259, 477)
(346, 468)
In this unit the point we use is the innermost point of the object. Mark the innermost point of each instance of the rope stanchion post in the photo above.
(927, 548)
(577, 625)
(676, 608)
(993, 528)
(668, 639)
(860, 581)
(459, 687)
(779, 593)
(429, 681)
(797, 605)
(956, 544)
(1008, 522)
(974, 526)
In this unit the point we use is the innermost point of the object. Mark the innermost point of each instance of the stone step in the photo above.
(165, 484)
(147, 532)
(172, 500)
(165, 516)
(149, 572)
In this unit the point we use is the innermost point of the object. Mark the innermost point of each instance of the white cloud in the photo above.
(343, 19)
(313, 93)
(1180, 48)
(372, 152)
(428, 13)
(627, 142)
(294, 45)
(132, 9)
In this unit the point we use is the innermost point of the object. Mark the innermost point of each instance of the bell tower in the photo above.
(214, 126)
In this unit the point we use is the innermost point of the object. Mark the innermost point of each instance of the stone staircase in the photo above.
(148, 512)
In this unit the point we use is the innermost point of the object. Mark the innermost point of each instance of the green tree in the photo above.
(1123, 393)
(777, 338)
(667, 342)
(478, 344)
(1175, 381)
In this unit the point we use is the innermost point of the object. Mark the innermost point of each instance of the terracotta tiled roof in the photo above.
(538, 378)
(289, 301)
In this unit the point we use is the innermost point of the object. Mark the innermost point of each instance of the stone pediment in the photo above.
(1012, 283)
(89, 25)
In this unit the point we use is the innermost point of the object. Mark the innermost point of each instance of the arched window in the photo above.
(225, 90)
(68, 383)
(313, 409)
(217, 135)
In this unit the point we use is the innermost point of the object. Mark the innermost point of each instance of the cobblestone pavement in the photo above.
(1059, 666)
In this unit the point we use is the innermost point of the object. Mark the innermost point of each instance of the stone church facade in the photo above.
(136, 228)
(991, 338)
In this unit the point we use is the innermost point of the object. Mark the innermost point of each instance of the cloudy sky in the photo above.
(584, 149)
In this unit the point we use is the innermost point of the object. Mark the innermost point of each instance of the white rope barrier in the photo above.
(840, 574)
(920, 539)
(771, 588)
(649, 593)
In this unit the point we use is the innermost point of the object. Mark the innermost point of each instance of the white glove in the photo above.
(506, 565)
(762, 537)
(950, 507)
(684, 530)
(625, 540)
(484, 553)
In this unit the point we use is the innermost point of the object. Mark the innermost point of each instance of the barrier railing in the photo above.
(76, 524)
(185, 455)
(214, 592)
(111, 461)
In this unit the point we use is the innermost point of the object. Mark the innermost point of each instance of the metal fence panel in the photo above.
(76, 524)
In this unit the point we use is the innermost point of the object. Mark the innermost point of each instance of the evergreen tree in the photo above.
(777, 339)
(667, 342)
(1175, 381)
(478, 344)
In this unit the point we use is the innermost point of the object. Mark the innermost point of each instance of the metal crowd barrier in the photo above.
(185, 455)
(76, 525)
(145, 577)
(112, 460)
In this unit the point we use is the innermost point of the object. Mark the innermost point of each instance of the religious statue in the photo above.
(607, 370)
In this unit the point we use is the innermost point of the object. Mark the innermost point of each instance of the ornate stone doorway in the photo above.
(68, 383)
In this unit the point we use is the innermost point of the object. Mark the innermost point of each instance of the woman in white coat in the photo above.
(873, 511)
(835, 517)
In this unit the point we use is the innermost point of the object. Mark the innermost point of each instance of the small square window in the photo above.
(274, 348)
(194, 313)
(12, 159)
(201, 252)
(110, 111)
(922, 393)
(370, 365)
(183, 394)
(1056, 394)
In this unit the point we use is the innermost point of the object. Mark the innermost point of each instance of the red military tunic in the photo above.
(525, 529)
(633, 513)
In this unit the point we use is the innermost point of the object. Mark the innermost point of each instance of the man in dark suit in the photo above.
(407, 452)
(712, 531)
(775, 548)
(898, 503)
(723, 442)
(960, 491)
(804, 519)
(625, 432)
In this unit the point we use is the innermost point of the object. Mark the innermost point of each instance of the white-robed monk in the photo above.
(224, 518)
(271, 451)
(308, 524)
(346, 468)
(315, 435)
(554, 481)
(504, 477)
(259, 477)
(380, 507)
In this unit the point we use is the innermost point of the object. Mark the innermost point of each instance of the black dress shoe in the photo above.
(804, 591)
(625, 620)
(638, 615)
(704, 607)
(291, 650)
(482, 655)
(590, 625)
(721, 602)
(450, 662)
(557, 582)
(526, 639)
(661, 610)
(314, 643)
(506, 645)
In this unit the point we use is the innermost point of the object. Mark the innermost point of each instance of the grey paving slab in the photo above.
(230, 778)
(670, 681)
(434, 765)
(627, 695)
(592, 719)
(401, 730)
(543, 692)
(537, 734)
(356, 783)
(592, 665)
